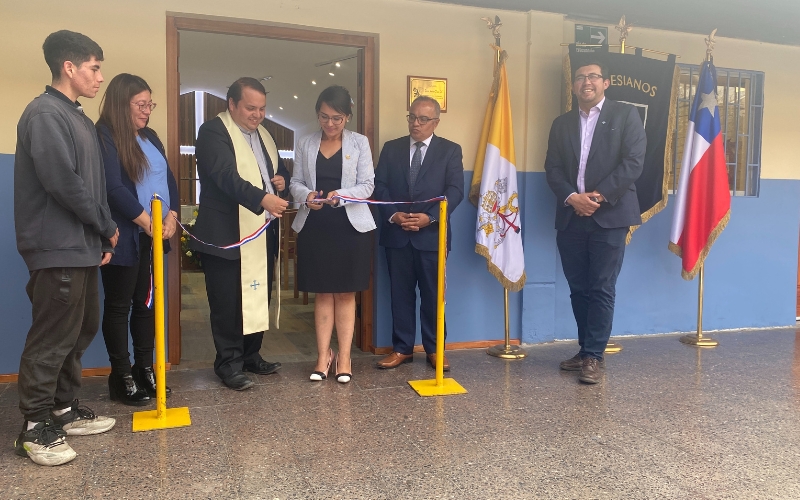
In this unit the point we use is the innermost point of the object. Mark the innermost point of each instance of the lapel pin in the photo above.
(603, 123)
(347, 156)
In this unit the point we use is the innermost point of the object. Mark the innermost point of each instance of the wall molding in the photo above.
(86, 372)
(452, 346)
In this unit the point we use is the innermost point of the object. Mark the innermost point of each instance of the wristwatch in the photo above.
(432, 219)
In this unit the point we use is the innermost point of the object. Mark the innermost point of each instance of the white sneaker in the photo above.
(81, 421)
(45, 444)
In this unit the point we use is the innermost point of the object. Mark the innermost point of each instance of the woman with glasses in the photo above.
(136, 168)
(334, 246)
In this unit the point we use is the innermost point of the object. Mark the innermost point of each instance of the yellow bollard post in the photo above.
(162, 417)
(439, 386)
(440, 288)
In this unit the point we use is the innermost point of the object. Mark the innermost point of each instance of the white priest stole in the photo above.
(254, 277)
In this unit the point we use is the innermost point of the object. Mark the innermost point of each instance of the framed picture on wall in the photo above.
(431, 87)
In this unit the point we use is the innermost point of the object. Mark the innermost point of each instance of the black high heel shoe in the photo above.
(122, 388)
(318, 376)
(343, 378)
(146, 379)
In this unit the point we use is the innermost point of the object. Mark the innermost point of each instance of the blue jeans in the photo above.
(591, 257)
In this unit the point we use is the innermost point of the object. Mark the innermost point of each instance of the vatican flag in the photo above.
(494, 189)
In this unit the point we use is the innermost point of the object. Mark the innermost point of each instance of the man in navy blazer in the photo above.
(222, 190)
(594, 155)
(419, 166)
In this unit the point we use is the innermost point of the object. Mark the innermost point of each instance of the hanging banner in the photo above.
(651, 86)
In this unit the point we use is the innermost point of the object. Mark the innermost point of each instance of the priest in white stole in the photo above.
(243, 183)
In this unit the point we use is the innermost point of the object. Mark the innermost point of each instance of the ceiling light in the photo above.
(338, 65)
(295, 97)
(313, 82)
(270, 116)
(331, 73)
(335, 61)
(263, 79)
(280, 107)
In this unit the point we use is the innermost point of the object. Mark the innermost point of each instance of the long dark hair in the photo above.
(115, 113)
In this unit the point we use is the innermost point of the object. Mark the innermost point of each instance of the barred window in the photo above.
(740, 94)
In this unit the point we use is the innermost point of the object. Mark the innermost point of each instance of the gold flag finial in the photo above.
(494, 26)
(624, 29)
(710, 41)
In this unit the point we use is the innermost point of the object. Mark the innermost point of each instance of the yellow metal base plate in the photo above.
(429, 387)
(702, 342)
(613, 348)
(149, 421)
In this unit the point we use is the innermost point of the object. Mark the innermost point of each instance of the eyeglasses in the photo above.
(592, 77)
(336, 120)
(423, 120)
(143, 106)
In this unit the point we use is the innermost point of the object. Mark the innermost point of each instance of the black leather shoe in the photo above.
(262, 367)
(146, 379)
(238, 381)
(122, 388)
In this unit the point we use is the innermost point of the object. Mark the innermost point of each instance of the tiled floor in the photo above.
(668, 421)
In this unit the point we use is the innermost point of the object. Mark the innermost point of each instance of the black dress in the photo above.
(332, 257)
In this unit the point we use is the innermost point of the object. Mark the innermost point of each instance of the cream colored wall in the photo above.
(415, 38)
(781, 128)
(543, 101)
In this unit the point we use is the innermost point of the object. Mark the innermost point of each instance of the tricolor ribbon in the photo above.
(363, 201)
(349, 199)
(246, 239)
(150, 291)
(260, 231)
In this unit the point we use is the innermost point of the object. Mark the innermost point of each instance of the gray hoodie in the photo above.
(61, 214)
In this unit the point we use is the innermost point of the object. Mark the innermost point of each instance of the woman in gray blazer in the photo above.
(334, 247)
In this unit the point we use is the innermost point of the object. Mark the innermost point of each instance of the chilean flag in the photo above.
(703, 204)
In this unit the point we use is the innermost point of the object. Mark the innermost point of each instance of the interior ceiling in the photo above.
(773, 21)
(210, 62)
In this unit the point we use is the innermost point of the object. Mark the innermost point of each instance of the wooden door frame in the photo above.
(225, 26)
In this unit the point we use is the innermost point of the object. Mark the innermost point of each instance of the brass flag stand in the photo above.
(505, 350)
(698, 339)
(623, 28)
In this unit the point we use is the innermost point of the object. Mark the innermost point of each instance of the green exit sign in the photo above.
(591, 35)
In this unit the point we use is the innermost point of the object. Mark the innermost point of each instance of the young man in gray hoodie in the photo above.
(64, 232)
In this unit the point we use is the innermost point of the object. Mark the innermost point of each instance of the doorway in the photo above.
(294, 64)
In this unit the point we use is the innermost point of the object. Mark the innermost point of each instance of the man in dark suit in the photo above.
(594, 155)
(222, 192)
(418, 166)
